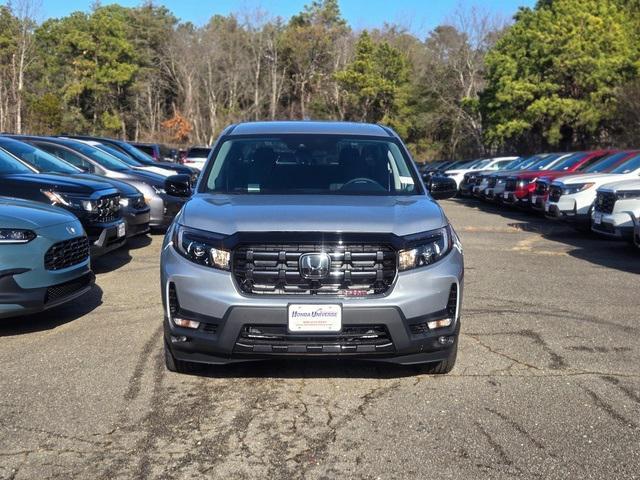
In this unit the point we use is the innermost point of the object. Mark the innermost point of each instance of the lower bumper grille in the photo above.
(541, 188)
(63, 290)
(605, 202)
(276, 339)
(510, 185)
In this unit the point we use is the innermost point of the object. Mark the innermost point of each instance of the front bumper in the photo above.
(16, 300)
(619, 225)
(106, 237)
(137, 221)
(212, 298)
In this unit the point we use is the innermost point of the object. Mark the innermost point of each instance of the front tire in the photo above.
(442, 367)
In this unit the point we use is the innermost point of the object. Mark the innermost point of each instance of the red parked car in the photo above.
(520, 188)
(604, 165)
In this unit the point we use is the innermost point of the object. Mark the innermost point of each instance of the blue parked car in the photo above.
(44, 257)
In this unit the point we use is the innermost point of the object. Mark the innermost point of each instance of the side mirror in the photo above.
(441, 187)
(178, 185)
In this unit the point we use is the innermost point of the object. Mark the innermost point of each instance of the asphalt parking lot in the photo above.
(547, 383)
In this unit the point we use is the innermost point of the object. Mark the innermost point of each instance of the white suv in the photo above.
(617, 210)
(572, 198)
(486, 164)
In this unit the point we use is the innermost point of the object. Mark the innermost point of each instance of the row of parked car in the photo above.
(193, 157)
(66, 199)
(595, 191)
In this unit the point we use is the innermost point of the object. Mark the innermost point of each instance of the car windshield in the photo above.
(198, 153)
(123, 157)
(103, 159)
(311, 164)
(481, 164)
(137, 154)
(9, 165)
(569, 161)
(545, 162)
(629, 166)
(607, 163)
(42, 161)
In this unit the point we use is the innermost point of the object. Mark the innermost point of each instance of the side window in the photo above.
(69, 157)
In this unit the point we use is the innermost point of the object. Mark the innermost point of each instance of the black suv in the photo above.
(96, 204)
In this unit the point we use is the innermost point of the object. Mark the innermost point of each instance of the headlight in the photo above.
(159, 190)
(62, 199)
(628, 195)
(16, 235)
(124, 202)
(201, 247)
(434, 246)
(578, 187)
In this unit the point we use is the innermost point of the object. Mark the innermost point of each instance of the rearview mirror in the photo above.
(178, 185)
(441, 187)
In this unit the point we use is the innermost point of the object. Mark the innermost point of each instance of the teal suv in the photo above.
(44, 257)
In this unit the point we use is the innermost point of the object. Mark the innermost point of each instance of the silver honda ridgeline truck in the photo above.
(312, 240)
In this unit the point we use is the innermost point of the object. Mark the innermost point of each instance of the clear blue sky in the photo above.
(419, 15)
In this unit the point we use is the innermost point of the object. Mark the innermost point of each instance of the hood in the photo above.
(623, 186)
(176, 168)
(58, 182)
(16, 213)
(459, 171)
(156, 170)
(228, 214)
(124, 188)
(550, 174)
(598, 178)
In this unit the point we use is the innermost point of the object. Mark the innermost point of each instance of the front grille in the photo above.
(138, 202)
(605, 202)
(492, 182)
(107, 209)
(555, 193)
(356, 269)
(541, 188)
(479, 179)
(66, 254)
(352, 339)
(510, 185)
(63, 290)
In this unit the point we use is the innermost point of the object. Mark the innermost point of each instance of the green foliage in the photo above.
(375, 82)
(552, 77)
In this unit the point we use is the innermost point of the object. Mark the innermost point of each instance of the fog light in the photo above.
(184, 323)
(179, 339)
(446, 340)
(445, 322)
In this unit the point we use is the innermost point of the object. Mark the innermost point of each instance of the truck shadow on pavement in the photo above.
(50, 319)
(308, 368)
(587, 246)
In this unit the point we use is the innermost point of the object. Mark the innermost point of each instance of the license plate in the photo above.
(597, 218)
(122, 230)
(505, 195)
(315, 318)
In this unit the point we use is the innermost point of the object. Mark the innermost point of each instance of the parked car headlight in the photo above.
(62, 199)
(16, 235)
(201, 247)
(628, 195)
(578, 187)
(124, 202)
(432, 247)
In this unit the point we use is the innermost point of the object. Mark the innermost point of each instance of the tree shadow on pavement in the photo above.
(54, 317)
(587, 246)
(120, 257)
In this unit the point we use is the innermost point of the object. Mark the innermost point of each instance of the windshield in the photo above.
(101, 158)
(607, 163)
(198, 153)
(8, 165)
(545, 162)
(480, 165)
(569, 161)
(123, 157)
(311, 164)
(42, 161)
(629, 166)
(138, 155)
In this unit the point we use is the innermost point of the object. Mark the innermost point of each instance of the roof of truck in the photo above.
(308, 127)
